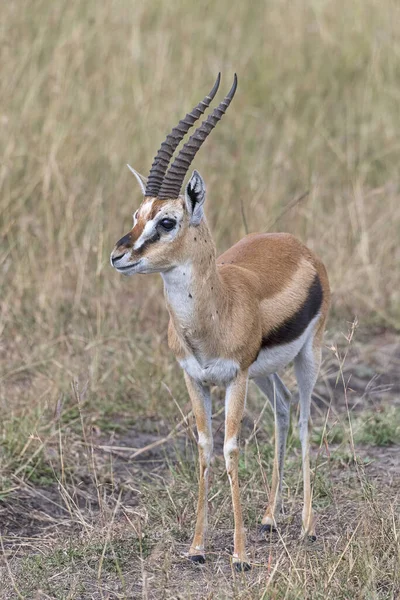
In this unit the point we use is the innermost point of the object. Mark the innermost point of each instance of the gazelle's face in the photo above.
(159, 238)
(155, 243)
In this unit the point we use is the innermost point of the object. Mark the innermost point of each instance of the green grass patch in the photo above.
(379, 428)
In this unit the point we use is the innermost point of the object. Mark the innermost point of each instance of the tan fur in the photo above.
(149, 208)
(251, 289)
(236, 398)
(235, 301)
(204, 430)
(246, 315)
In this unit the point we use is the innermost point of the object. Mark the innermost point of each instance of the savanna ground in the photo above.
(98, 458)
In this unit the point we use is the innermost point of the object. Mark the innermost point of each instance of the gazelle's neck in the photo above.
(193, 290)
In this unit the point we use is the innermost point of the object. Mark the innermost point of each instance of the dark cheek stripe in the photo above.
(147, 243)
(292, 328)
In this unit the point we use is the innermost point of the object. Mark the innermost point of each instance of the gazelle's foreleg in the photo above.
(279, 396)
(306, 365)
(234, 407)
(201, 403)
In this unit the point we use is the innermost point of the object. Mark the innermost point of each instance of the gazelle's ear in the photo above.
(195, 195)
(141, 180)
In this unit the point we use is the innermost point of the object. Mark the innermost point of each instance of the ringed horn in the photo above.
(172, 182)
(168, 147)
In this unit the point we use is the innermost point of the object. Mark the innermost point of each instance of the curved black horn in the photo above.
(163, 156)
(171, 186)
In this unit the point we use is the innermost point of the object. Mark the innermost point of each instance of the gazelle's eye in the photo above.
(167, 224)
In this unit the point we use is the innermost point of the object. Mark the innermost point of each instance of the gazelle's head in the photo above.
(159, 239)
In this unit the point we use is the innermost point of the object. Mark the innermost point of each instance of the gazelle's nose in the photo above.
(125, 242)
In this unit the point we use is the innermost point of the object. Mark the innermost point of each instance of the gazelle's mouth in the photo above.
(122, 265)
(127, 267)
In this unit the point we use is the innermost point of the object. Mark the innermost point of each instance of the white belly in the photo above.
(220, 371)
(216, 371)
(271, 360)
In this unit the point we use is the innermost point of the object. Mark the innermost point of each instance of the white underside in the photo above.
(218, 371)
(273, 360)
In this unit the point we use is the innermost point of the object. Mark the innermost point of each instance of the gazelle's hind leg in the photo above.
(306, 365)
(279, 396)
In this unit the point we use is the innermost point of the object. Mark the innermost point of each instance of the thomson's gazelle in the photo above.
(244, 315)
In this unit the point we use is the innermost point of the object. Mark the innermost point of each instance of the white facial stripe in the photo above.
(146, 208)
(148, 232)
(150, 229)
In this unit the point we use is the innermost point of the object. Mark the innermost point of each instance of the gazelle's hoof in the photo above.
(312, 538)
(268, 528)
(241, 567)
(197, 558)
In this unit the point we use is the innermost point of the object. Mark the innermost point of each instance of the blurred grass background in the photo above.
(88, 86)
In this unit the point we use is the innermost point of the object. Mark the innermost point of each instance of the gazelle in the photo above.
(244, 315)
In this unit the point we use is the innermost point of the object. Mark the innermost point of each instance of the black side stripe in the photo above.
(294, 327)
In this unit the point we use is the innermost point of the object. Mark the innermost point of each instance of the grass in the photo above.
(380, 428)
(111, 546)
(86, 378)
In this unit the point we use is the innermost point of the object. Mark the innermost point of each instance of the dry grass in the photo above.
(87, 87)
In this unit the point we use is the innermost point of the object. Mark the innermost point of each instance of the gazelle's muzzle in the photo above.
(122, 247)
(121, 256)
(123, 263)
